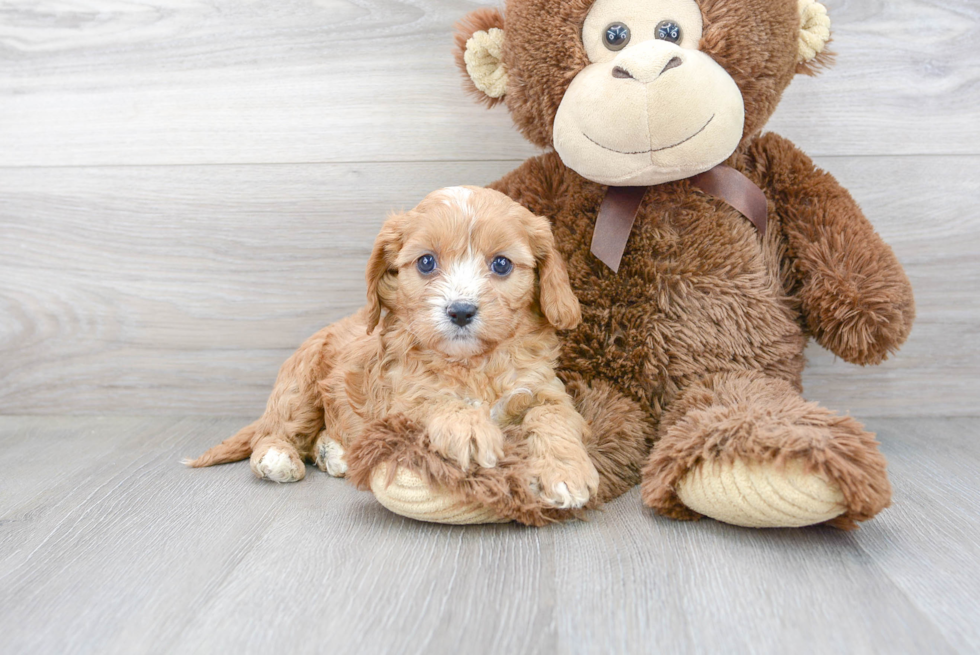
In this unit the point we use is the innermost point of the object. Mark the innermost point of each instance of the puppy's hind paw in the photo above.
(330, 457)
(278, 466)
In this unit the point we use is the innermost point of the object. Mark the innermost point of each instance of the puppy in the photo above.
(465, 293)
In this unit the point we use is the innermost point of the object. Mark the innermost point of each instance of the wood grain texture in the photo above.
(135, 279)
(290, 81)
(108, 545)
(176, 290)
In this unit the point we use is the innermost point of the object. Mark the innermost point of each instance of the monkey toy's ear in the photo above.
(479, 54)
(814, 37)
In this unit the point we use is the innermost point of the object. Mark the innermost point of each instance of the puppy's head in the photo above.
(467, 269)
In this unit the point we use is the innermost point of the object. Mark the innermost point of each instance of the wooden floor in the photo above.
(109, 545)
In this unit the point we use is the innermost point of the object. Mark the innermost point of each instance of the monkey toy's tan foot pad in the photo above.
(408, 494)
(392, 460)
(757, 495)
(746, 449)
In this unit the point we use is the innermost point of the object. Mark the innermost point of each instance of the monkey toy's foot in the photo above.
(407, 493)
(754, 494)
(746, 449)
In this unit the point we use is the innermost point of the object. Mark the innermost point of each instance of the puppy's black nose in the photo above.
(461, 313)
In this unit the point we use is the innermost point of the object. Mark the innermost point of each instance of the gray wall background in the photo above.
(189, 188)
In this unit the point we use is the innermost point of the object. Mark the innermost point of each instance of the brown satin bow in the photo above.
(618, 210)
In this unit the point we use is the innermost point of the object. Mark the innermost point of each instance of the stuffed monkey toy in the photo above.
(704, 254)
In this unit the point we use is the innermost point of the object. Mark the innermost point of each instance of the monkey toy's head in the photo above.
(638, 93)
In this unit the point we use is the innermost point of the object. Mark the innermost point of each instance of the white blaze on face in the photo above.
(457, 196)
(462, 279)
(465, 281)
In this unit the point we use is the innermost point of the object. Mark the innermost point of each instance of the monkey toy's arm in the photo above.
(855, 296)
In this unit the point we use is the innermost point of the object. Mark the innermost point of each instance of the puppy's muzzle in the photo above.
(461, 313)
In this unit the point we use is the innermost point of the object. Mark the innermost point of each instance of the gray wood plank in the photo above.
(928, 542)
(131, 552)
(173, 290)
(713, 588)
(189, 81)
(365, 581)
(55, 440)
(130, 547)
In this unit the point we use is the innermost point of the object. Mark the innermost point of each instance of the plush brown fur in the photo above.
(477, 408)
(705, 324)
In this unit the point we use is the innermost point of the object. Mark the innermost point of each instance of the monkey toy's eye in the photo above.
(501, 266)
(668, 30)
(426, 264)
(616, 37)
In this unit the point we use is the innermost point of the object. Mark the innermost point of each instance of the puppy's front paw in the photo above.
(565, 484)
(467, 436)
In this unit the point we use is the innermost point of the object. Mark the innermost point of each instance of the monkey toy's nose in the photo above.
(461, 313)
(621, 73)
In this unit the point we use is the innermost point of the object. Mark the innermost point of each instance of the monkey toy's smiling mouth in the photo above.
(652, 150)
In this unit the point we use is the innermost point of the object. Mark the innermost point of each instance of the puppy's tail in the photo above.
(231, 449)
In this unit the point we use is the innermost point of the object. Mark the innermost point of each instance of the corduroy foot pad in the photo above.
(756, 495)
(409, 495)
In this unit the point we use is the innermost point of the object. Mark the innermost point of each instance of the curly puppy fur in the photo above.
(473, 402)
(705, 324)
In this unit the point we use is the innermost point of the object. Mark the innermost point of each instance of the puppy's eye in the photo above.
(426, 264)
(616, 36)
(501, 266)
(668, 30)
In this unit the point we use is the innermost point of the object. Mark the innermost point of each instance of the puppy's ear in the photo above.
(558, 302)
(382, 275)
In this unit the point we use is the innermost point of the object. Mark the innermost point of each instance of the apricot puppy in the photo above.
(465, 293)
